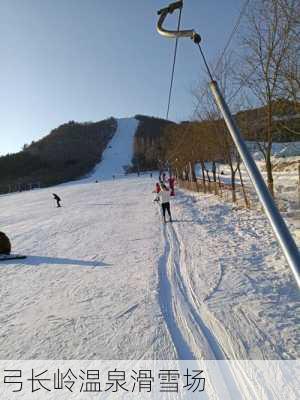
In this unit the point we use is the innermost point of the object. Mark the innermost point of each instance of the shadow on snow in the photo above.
(37, 260)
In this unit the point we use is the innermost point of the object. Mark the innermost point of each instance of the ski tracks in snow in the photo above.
(181, 309)
(191, 337)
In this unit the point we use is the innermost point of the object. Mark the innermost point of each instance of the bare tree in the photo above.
(291, 66)
(219, 142)
(267, 42)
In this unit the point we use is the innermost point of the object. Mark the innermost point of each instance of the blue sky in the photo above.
(86, 60)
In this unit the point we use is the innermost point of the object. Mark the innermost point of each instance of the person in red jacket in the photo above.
(157, 190)
(172, 185)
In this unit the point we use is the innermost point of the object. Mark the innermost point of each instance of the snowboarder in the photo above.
(57, 198)
(164, 196)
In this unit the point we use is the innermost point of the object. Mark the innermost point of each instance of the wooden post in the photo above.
(299, 182)
(243, 188)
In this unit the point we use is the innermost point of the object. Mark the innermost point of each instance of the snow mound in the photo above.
(118, 152)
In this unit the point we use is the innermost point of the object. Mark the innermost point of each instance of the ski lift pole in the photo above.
(281, 231)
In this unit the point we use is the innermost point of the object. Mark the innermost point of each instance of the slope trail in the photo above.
(191, 337)
(119, 151)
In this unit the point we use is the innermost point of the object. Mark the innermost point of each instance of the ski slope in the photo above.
(118, 153)
(106, 279)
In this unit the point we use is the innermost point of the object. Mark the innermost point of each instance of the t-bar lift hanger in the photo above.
(282, 233)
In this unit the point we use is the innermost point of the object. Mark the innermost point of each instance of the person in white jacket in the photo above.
(164, 196)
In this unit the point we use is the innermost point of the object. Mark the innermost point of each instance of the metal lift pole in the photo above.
(282, 233)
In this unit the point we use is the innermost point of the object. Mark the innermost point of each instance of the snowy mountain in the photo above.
(73, 149)
(68, 152)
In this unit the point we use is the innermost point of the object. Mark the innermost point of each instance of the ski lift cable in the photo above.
(174, 62)
(237, 24)
(241, 85)
(242, 12)
(280, 229)
(230, 38)
(197, 40)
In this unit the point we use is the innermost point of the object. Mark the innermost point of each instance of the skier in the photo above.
(57, 198)
(172, 184)
(162, 177)
(157, 190)
(164, 196)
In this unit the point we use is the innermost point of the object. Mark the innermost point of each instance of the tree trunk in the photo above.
(269, 172)
(243, 187)
(194, 177)
(214, 171)
(233, 185)
(207, 173)
(269, 151)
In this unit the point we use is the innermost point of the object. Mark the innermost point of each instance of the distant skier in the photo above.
(164, 196)
(57, 198)
(164, 178)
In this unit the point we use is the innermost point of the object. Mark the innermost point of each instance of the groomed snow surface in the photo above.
(106, 279)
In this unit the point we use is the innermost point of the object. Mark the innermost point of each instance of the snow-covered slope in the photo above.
(119, 151)
(106, 279)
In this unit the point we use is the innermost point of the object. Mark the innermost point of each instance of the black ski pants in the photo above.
(166, 206)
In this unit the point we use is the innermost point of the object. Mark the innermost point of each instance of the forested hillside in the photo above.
(158, 140)
(208, 139)
(150, 142)
(67, 153)
(72, 150)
